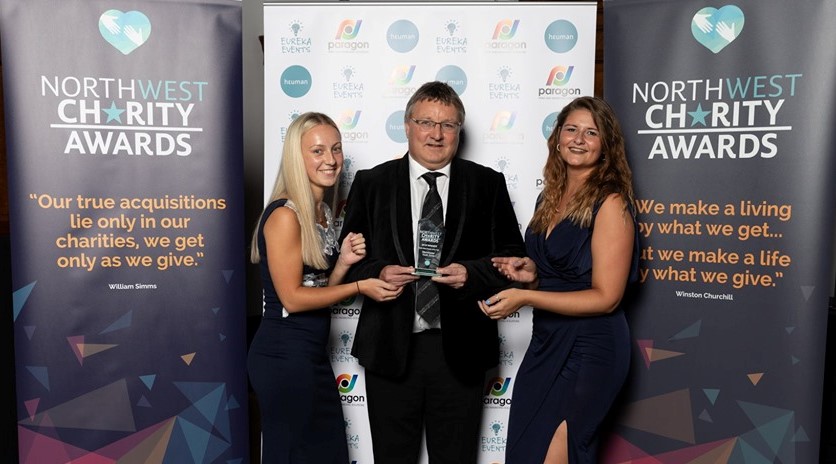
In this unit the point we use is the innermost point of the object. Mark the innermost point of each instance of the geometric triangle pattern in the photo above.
(201, 444)
(645, 347)
(667, 415)
(83, 350)
(208, 400)
(188, 358)
(705, 416)
(655, 354)
(147, 445)
(744, 453)
(117, 416)
(75, 345)
(41, 374)
(806, 291)
(706, 453)
(711, 394)
(771, 441)
(123, 322)
(200, 433)
(774, 426)
(89, 349)
(37, 448)
(650, 354)
(800, 436)
(617, 450)
(689, 332)
(32, 406)
(148, 380)
(19, 298)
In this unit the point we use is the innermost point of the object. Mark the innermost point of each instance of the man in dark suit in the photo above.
(426, 373)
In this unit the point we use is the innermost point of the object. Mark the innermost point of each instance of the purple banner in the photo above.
(723, 108)
(123, 123)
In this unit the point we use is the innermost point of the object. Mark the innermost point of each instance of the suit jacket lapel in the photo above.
(456, 212)
(401, 214)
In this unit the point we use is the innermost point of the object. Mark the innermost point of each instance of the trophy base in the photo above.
(426, 272)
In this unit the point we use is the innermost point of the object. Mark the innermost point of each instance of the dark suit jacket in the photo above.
(480, 223)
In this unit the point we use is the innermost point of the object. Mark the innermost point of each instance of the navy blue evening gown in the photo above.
(574, 367)
(301, 413)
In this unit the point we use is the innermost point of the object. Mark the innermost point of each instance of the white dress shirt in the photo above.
(418, 189)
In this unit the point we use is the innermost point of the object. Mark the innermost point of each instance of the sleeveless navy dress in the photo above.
(574, 367)
(291, 374)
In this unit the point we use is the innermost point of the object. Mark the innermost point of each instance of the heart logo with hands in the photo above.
(125, 31)
(715, 29)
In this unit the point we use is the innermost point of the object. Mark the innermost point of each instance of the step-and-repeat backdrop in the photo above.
(515, 65)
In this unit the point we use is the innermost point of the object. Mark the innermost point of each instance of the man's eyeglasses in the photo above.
(426, 125)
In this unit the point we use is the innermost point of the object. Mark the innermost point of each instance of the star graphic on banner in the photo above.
(698, 116)
(113, 113)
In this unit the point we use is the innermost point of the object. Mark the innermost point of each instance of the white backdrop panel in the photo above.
(515, 65)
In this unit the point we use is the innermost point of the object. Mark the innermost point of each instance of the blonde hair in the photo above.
(292, 183)
(611, 175)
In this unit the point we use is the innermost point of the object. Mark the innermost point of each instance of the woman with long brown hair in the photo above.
(582, 247)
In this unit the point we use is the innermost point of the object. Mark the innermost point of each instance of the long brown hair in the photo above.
(611, 175)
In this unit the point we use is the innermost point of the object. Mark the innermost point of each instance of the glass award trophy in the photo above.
(430, 241)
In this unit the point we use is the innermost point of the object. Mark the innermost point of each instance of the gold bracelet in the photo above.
(358, 286)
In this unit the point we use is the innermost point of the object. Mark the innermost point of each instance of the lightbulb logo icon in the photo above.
(348, 29)
(505, 29)
(506, 353)
(290, 118)
(496, 427)
(348, 73)
(502, 163)
(345, 337)
(504, 73)
(295, 27)
(560, 75)
(452, 26)
(346, 383)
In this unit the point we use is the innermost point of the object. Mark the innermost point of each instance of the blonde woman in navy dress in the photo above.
(583, 250)
(296, 247)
